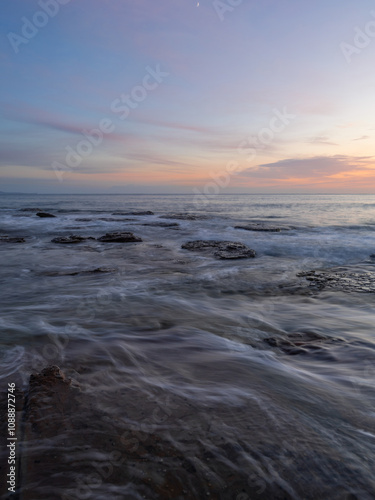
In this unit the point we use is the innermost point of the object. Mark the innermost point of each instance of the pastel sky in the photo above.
(172, 96)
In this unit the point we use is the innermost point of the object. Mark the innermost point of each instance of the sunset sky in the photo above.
(172, 96)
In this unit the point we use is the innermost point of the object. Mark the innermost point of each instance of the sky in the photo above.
(180, 96)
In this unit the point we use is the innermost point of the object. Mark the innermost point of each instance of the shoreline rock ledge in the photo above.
(221, 249)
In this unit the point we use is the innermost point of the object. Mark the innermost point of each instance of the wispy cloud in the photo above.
(309, 168)
(322, 139)
(362, 138)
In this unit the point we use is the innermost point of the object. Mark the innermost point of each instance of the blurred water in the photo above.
(172, 326)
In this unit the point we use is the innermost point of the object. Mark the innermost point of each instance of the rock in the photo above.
(139, 212)
(259, 227)
(117, 237)
(44, 214)
(221, 249)
(344, 279)
(71, 239)
(30, 210)
(98, 270)
(161, 224)
(72, 447)
(301, 343)
(184, 216)
(14, 239)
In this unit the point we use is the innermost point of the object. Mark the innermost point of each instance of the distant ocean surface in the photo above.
(212, 345)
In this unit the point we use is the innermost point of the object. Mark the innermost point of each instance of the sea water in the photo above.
(161, 331)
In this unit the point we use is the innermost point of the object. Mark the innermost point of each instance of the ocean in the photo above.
(214, 378)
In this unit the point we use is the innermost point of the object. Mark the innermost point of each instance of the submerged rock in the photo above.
(71, 239)
(120, 237)
(139, 212)
(112, 219)
(301, 342)
(221, 249)
(184, 216)
(259, 227)
(13, 239)
(161, 224)
(98, 270)
(44, 214)
(73, 448)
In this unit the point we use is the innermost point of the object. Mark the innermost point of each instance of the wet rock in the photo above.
(259, 227)
(139, 212)
(45, 214)
(221, 249)
(184, 216)
(120, 237)
(30, 210)
(73, 448)
(161, 224)
(13, 239)
(98, 270)
(342, 279)
(301, 342)
(71, 239)
(112, 219)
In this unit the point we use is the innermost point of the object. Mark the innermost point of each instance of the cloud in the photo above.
(321, 139)
(310, 168)
(362, 138)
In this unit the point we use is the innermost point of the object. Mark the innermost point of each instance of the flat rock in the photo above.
(301, 342)
(112, 219)
(98, 270)
(72, 448)
(45, 214)
(71, 239)
(161, 224)
(184, 216)
(13, 239)
(136, 212)
(342, 279)
(221, 249)
(259, 227)
(120, 237)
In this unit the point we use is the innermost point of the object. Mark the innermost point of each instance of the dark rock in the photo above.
(221, 249)
(30, 210)
(45, 214)
(14, 239)
(123, 237)
(139, 212)
(71, 239)
(98, 270)
(161, 224)
(184, 216)
(260, 227)
(73, 448)
(111, 219)
(301, 342)
(343, 279)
